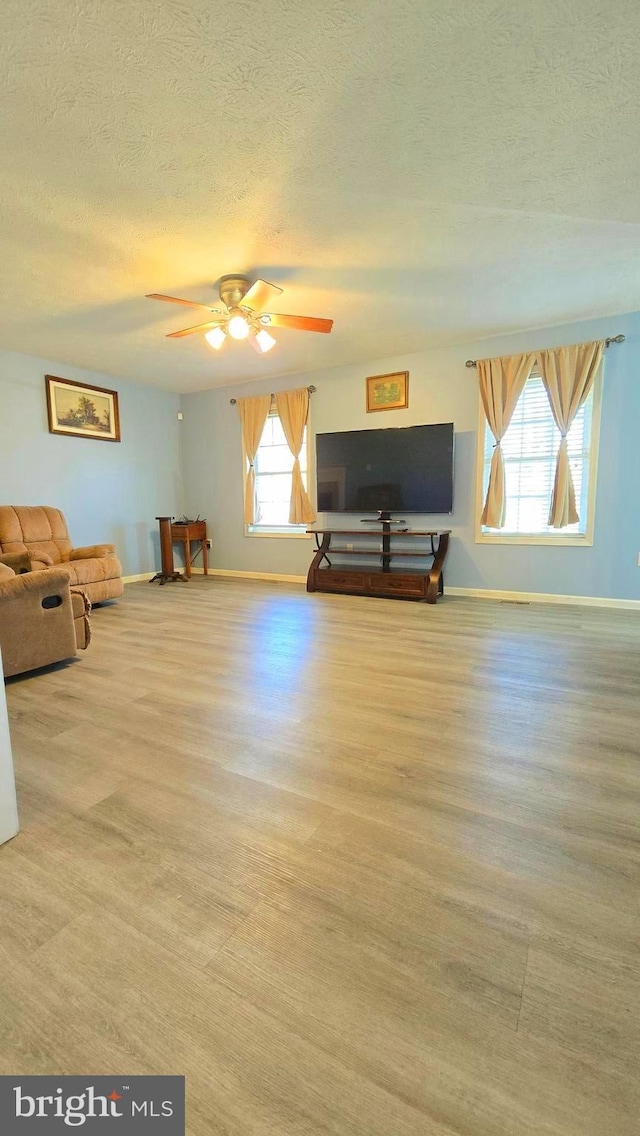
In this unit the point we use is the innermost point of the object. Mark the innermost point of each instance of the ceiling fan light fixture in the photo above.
(216, 337)
(243, 314)
(238, 327)
(264, 340)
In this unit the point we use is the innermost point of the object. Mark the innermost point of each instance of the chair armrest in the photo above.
(44, 583)
(19, 561)
(91, 551)
(6, 573)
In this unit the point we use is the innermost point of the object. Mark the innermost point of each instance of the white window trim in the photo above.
(566, 540)
(289, 532)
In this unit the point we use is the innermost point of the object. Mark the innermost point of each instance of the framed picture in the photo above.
(81, 410)
(388, 392)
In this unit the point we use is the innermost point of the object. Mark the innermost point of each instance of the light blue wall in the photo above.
(441, 389)
(107, 491)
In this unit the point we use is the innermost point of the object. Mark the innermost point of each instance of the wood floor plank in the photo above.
(490, 822)
(586, 1000)
(33, 907)
(511, 896)
(310, 969)
(351, 865)
(392, 922)
(248, 1070)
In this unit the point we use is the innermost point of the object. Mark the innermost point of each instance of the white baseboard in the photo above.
(150, 574)
(473, 593)
(276, 577)
(544, 598)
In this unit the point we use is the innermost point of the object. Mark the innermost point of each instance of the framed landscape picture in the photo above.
(82, 410)
(388, 392)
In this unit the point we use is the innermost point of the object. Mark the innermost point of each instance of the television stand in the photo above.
(391, 564)
(384, 518)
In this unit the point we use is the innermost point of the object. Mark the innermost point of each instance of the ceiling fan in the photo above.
(242, 314)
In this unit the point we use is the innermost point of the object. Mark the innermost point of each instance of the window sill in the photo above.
(580, 540)
(276, 532)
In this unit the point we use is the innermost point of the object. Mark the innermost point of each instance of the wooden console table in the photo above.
(412, 579)
(193, 531)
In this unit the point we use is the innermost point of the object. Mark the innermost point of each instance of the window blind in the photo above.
(273, 468)
(529, 449)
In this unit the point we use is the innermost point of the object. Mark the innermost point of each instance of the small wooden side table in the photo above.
(193, 531)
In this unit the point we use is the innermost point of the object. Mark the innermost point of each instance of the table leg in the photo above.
(205, 557)
(435, 582)
(187, 556)
(168, 571)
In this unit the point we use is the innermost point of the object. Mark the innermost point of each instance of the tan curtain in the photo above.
(253, 415)
(568, 374)
(501, 384)
(293, 410)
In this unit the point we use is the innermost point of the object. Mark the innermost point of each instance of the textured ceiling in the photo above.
(421, 172)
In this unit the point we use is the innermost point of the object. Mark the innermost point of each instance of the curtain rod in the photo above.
(312, 390)
(607, 342)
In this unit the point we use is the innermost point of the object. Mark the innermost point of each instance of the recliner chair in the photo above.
(41, 621)
(41, 531)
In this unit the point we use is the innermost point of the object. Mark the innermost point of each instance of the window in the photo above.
(529, 450)
(273, 466)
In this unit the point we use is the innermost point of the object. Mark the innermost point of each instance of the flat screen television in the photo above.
(402, 470)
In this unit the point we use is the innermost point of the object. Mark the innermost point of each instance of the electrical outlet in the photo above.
(639, 560)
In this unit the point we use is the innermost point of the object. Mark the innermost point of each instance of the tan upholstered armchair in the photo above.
(42, 532)
(41, 622)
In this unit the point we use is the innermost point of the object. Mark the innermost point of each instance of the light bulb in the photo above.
(238, 327)
(264, 340)
(215, 337)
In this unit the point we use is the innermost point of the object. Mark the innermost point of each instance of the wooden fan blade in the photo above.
(259, 295)
(193, 330)
(175, 300)
(300, 323)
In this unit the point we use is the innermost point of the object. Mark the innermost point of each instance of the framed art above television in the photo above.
(388, 392)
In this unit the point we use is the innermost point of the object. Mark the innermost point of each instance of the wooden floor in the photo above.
(354, 866)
